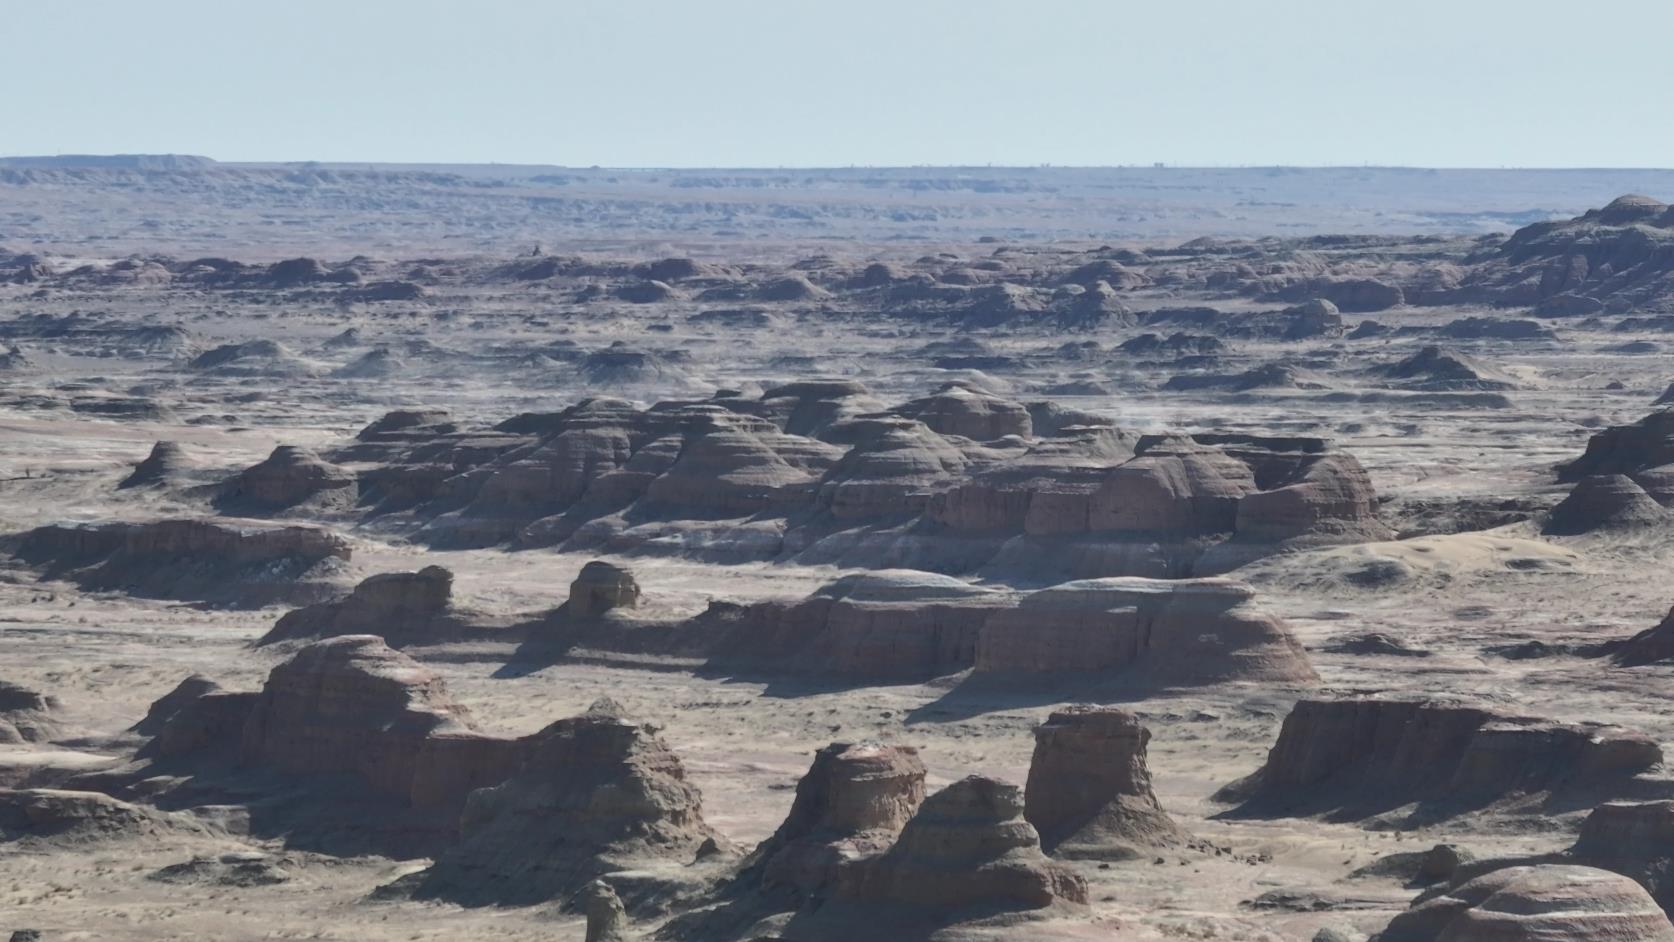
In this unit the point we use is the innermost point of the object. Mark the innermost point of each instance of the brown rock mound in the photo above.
(215, 561)
(601, 587)
(400, 607)
(74, 817)
(25, 716)
(161, 468)
(1626, 449)
(289, 478)
(853, 802)
(1089, 791)
(1650, 646)
(968, 847)
(1535, 904)
(1606, 502)
(596, 794)
(971, 413)
(1358, 757)
(1187, 631)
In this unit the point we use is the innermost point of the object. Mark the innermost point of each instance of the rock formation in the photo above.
(1535, 904)
(875, 626)
(1354, 757)
(968, 847)
(596, 793)
(1606, 503)
(1089, 791)
(1153, 631)
(50, 815)
(607, 919)
(1651, 646)
(354, 706)
(25, 716)
(162, 467)
(400, 607)
(852, 803)
(289, 478)
(970, 413)
(601, 587)
(222, 562)
(1436, 368)
(1625, 449)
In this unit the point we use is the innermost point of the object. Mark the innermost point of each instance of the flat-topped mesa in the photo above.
(289, 478)
(161, 468)
(601, 587)
(1541, 903)
(1606, 503)
(596, 793)
(852, 802)
(1353, 757)
(1089, 790)
(967, 847)
(1625, 449)
(25, 715)
(1158, 632)
(223, 562)
(886, 624)
(400, 607)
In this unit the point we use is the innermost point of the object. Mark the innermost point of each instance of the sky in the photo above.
(769, 83)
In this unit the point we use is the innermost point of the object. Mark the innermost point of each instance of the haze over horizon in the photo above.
(746, 83)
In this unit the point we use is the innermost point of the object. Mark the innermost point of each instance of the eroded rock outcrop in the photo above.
(162, 467)
(968, 847)
(601, 587)
(596, 793)
(222, 562)
(1535, 904)
(852, 803)
(1356, 757)
(1089, 791)
(289, 478)
(25, 715)
(1157, 632)
(1625, 449)
(400, 607)
(1606, 503)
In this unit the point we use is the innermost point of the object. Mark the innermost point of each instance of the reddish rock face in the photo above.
(1350, 754)
(967, 846)
(1533, 904)
(1089, 790)
(853, 801)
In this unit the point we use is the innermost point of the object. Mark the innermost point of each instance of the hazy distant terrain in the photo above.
(194, 205)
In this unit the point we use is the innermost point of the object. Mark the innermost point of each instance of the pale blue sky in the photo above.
(1482, 83)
